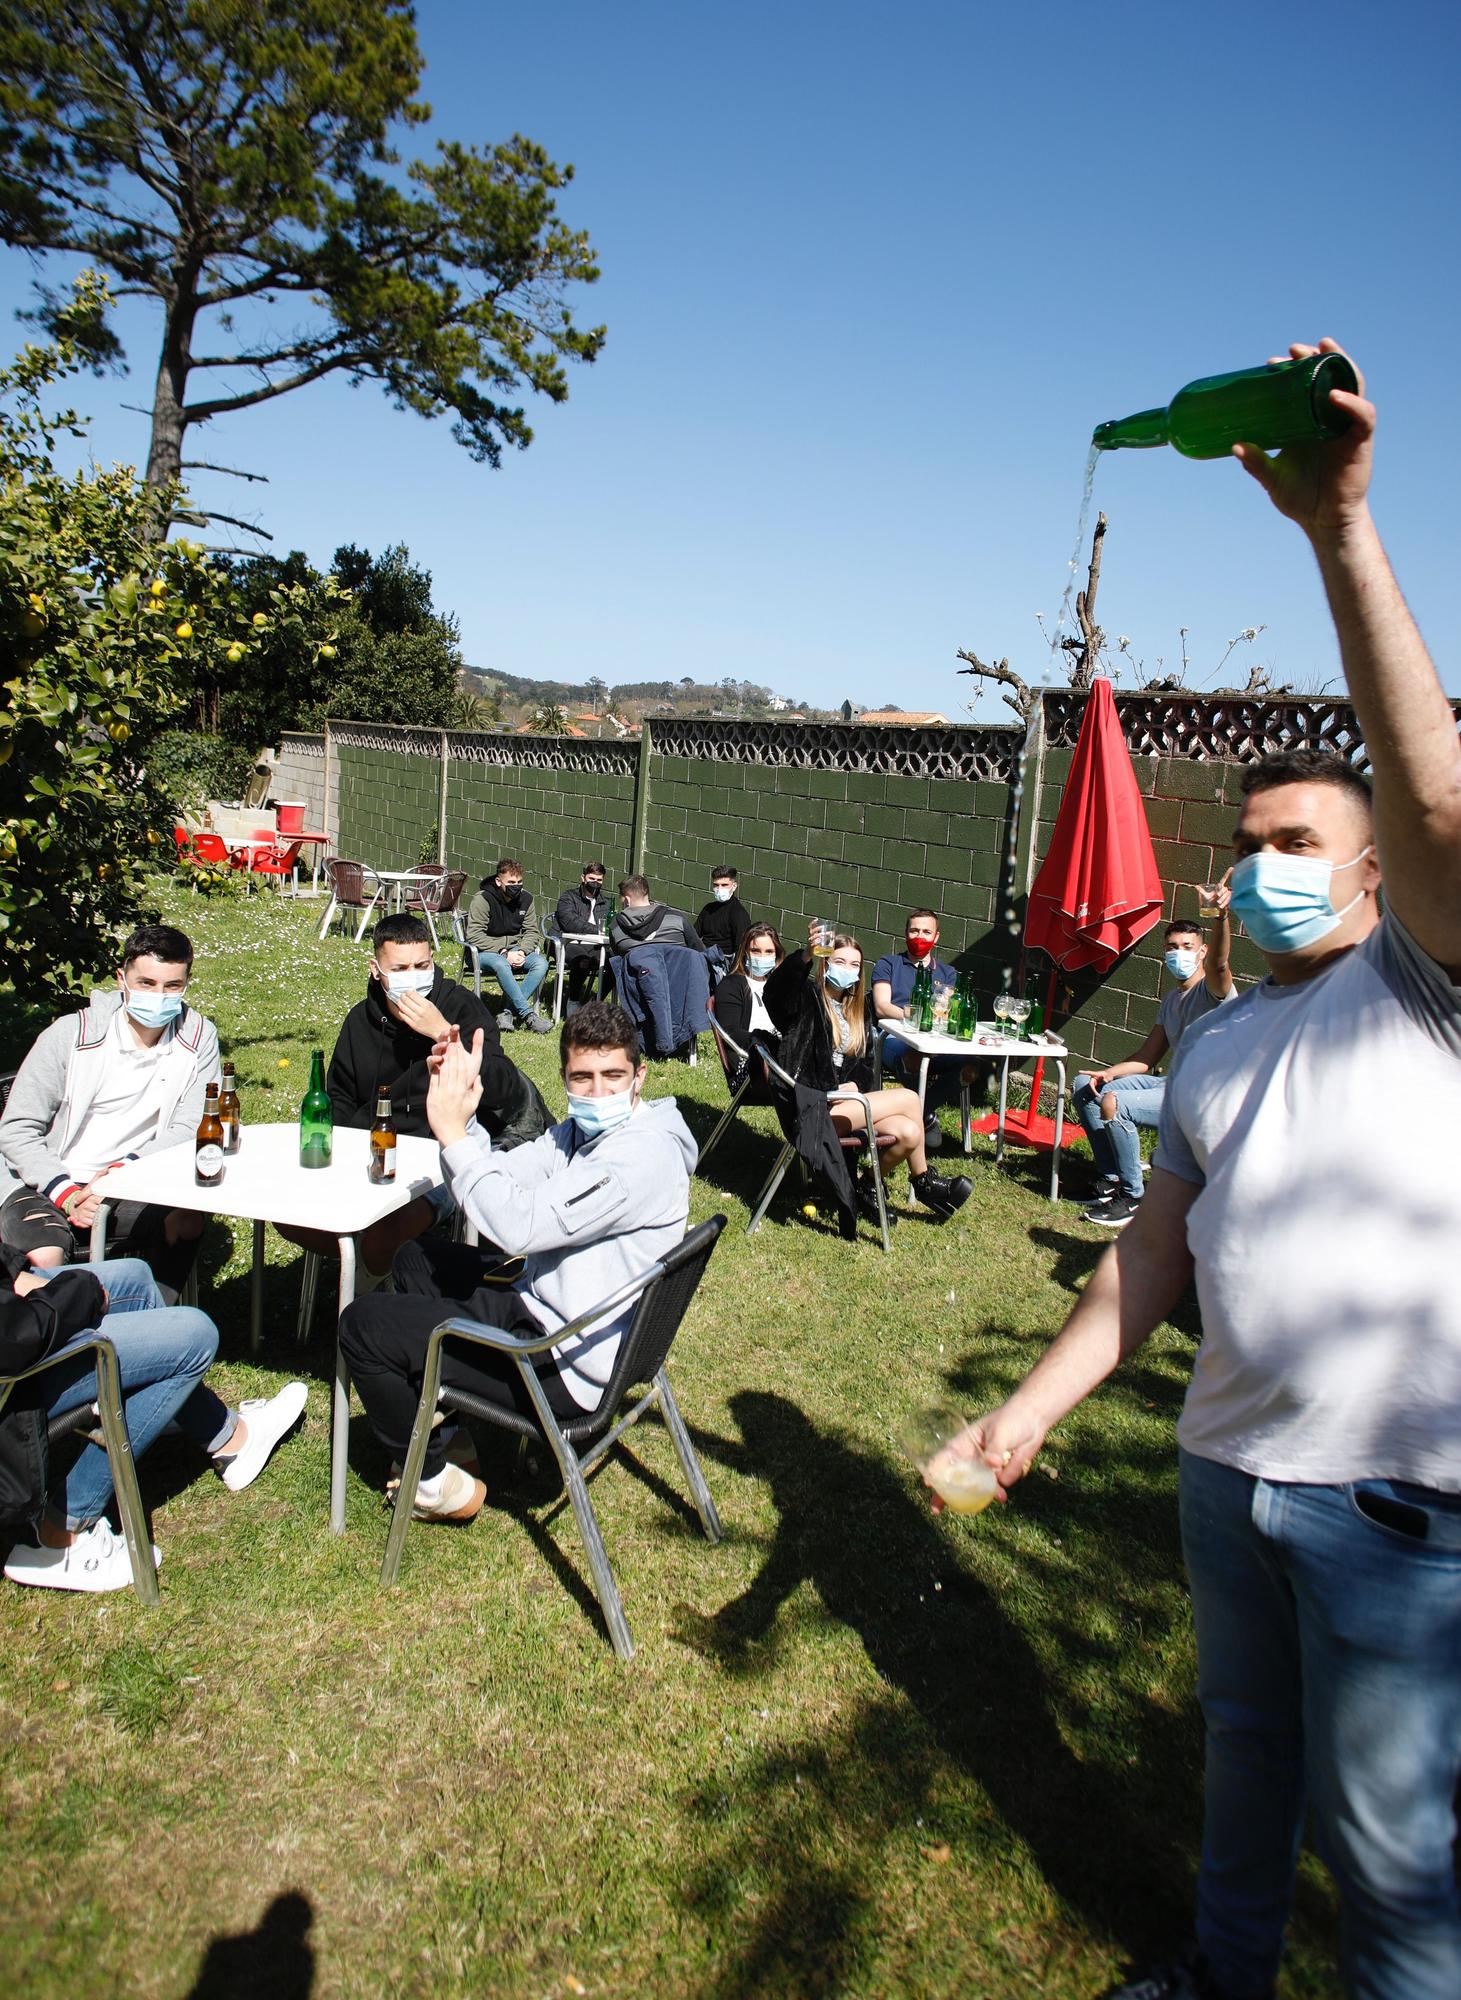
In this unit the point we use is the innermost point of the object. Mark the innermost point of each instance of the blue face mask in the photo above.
(153, 1010)
(759, 965)
(1285, 900)
(841, 977)
(596, 1115)
(397, 983)
(721, 892)
(1180, 963)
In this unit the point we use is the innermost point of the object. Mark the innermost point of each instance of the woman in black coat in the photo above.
(826, 1028)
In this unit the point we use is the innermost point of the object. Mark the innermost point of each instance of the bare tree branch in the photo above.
(205, 465)
(1024, 698)
(1085, 651)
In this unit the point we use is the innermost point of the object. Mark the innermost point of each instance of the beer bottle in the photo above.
(925, 1012)
(1287, 403)
(228, 1111)
(1036, 1021)
(316, 1118)
(383, 1141)
(208, 1145)
(970, 1020)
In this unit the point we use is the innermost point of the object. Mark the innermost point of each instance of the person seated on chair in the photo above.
(383, 1045)
(163, 1353)
(503, 930)
(740, 998)
(588, 1207)
(724, 920)
(1113, 1103)
(643, 921)
(893, 977)
(817, 1005)
(582, 912)
(125, 1077)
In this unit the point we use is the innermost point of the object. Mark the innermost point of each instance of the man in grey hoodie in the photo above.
(588, 1207)
(124, 1077)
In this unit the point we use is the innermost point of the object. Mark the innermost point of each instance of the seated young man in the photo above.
(163, 1353)
(503, 930)
(725, 919)
(892, 990)
(590, 1206)
(124, 1077)
(1113, 1103)
(383, 1044)
(643, 921)
(582, 912)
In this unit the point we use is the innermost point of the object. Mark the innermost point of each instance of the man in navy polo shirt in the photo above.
(893, 977)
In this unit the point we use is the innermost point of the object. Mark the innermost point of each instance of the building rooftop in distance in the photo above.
(906, 718)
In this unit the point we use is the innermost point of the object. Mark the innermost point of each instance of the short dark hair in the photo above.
(919, 913)
(597, 867)
(599, 1024)
(401, 928)
(173, 947)
(1180, 926)
(1308, 767)
(634, 885)
(505, 863)
(724, 869)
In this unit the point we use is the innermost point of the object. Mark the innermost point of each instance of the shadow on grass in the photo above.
(275, 1961)
(1111, 1837)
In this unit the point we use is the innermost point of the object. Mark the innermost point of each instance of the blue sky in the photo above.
(871, 275)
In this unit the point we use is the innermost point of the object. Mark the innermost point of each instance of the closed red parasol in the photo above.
(1098, 889)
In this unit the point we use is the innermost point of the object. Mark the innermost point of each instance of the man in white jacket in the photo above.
(124, 1077)
(588, 1207)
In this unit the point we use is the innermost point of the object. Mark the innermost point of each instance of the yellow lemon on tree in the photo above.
(119, 732)
(261, 619)
(327, 652)
(151, 838)
(158, 587)
(234, 655)
(184, 631)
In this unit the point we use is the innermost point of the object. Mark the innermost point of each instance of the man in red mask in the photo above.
(893, 977)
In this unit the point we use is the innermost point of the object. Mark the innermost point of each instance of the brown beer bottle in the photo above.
(383, 1141)
(228, 1111)
(208, 1146)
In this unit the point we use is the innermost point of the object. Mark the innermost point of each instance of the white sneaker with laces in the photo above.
(96, 1560)
(454, 1496)
(268, 1422)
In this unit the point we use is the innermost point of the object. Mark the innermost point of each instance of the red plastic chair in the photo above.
(278, 860)
(211, 849)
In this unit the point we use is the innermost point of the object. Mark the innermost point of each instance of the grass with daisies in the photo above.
(860, 1750)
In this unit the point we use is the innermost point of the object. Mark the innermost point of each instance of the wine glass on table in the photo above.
(1002, 1012)
(1018, 1009)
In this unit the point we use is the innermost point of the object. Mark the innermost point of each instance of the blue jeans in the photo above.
(1329, 1672)
(519, 987)
(163, 1353)
(1116, 1146)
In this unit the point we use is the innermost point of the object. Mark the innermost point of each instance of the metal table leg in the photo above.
(256, 1292)
(924, 1063)
(1004, 1092)
(340, 1413)
(1059, 1128)
(97, 1248)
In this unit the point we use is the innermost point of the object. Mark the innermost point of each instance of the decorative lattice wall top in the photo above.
(818, 746)
(1233, 728)
(541, 753)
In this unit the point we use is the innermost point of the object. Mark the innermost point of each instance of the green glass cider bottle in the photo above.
(1287, 403)
(316, 1118)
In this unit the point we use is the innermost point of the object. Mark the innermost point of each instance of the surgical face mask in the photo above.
(153, 1010)
(1285, 900)
(842, 978)
(397, 983)
(722, 891)
(760, 964)
(920, 947)
(595, 1115)
(1181, 961)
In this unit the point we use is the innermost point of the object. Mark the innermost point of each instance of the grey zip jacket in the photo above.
(588, 1216)
(56, 1083)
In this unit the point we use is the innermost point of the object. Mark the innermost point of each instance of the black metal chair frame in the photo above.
(664, 1293)
(854, 1141)
(117, 1443)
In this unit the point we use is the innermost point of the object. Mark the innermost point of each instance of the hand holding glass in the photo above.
(965, 1484)
(821, 932)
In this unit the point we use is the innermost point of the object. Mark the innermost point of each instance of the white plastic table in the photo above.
(264, 1182)
(989, 1045)
(400, 880)
(560, 940)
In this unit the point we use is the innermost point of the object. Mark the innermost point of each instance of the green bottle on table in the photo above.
(316, 1118)
(969, 1015)
(1270, 407)
(925, 1005)
(1035, 1025)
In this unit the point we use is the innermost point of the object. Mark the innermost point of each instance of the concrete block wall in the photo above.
(389, 803)
(857, 846)
(299, 773)
(550, 821)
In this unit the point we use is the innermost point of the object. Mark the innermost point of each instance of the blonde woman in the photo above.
(826, 1027)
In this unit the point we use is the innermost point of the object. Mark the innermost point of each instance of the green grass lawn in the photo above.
(860, 1751)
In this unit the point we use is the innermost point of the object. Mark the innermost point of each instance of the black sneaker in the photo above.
(1183, 1978)
(942, 1198)
(1114, 1213)
(1091, 1192)
(867, 1205)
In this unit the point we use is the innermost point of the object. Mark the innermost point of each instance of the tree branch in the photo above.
(1086, 650)
(1023, 700)
(203, 465)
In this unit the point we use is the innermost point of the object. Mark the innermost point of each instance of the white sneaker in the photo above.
(96, 1560)
(268, 1422)
(458, 1497)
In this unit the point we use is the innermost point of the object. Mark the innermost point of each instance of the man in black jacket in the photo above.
(725, 919)
(583, 912)
(383, 1044)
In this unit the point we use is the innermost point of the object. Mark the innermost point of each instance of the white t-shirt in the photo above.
(122, 1114)
(761, 1021)
(1184, 1005)
(1320, 1122)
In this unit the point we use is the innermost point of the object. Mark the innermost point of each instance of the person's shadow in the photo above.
(273, 1962)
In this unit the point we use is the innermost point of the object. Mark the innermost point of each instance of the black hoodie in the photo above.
(376, 1051)
(724, 924)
